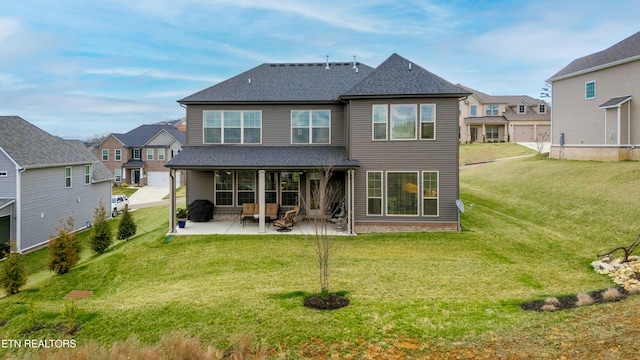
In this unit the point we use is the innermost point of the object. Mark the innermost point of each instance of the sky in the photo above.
(84, 68)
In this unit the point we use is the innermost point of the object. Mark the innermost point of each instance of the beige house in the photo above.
(593, 113)
(509, 118)
(139, 156)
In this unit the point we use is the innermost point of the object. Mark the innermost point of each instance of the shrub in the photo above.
(101, 236)
(584, 299)
(64, 250)
(14, 271)
(127, 227)
(611, 294)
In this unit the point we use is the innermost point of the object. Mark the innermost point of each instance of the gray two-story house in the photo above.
(45, 180)
(389, 133)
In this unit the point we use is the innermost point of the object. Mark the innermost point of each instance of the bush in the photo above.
(127, 227)
(101, 236)
(64, 250)
(14, 271)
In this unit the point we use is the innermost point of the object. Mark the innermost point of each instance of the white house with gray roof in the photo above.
(390, 134)
(43, 181)
(593, 116)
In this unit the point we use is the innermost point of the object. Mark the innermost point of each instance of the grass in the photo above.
(480, 153)
(123, 190)
(535, 227)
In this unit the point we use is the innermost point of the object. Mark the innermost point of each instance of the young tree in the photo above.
(14, 271)
(101, 235)
(64, 250)
(127, 227)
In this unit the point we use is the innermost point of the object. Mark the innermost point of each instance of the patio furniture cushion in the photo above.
(271, 211)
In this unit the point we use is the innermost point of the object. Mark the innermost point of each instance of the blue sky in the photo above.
(80, 68)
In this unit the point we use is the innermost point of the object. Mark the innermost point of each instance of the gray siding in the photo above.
(7, 184)
(409, 155)
(276, 122)
(45, 202)
(200, 186)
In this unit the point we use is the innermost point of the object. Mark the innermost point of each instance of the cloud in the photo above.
(144, 72)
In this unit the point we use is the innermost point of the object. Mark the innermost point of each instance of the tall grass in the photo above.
(535, 227)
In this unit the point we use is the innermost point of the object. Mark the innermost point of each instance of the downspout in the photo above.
(172, 201)
(18, 214)
(619, 124)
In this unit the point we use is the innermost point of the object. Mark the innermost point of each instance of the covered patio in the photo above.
(234, 227)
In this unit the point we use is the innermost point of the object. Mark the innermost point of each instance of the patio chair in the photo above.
(248, 210)
(290, 218)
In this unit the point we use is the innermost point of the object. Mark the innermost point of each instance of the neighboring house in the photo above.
(508, 118)
(45, 180)
(138, 157)
(390, 133)
(593, 113)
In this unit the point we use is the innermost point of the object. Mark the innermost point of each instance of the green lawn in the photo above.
(123, 190)
(535, 226)
(480, 153)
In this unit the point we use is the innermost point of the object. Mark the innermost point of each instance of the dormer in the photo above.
(542, 109)
(521, 108)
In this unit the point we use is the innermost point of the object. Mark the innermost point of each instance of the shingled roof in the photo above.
(141, 135)
(626, 50)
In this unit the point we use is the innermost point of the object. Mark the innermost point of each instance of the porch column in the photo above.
(261, 198)
(484, 133)
(172, 201)
(506, 133)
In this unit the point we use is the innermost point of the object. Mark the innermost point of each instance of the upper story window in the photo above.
(310, 126)
(542, 109)
(118, 175)
(4, 173)
(590, 90)
(491, 109)
(67, 177)
(87, 174)
(105, 154)
(118, 154)
(232, 127)
(149, 154)
(161, 154)
(136, 154)
(473, 110)
(522, 109)
(400, 121)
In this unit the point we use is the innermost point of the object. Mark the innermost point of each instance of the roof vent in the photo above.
(355, 65)
(409, 66)
(326, 67)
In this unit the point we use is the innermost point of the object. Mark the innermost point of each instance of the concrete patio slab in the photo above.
(250, 228)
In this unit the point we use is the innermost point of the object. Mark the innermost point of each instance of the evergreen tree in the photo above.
(64, 250)
(14, 271)
(101, 236)
(127, 227)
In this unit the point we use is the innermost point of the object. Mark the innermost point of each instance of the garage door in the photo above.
(523, 133)
(161, 178)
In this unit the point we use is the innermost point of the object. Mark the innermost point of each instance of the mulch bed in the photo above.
(78, 294)
(569, 302)
(332, 302)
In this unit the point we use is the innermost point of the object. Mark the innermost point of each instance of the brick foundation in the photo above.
(387, 226)
(597, 153)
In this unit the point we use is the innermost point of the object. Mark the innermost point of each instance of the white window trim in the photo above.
(523, 107)
(382, 193)
(543, 107)
(233, 191)
(437, 197)
(594, 90)
(4, 173)
(139, 151)
(87, 175)
(415, 124)
(70, 177)
(490, 106)
(161, 155)
(471, 114)
(117, 174)
(386, 193)
(150, 152)
(386, 123)
(311, 127)
(105, 152)
(222, 127)
(117, 154)
(237, 191)
(435, 120)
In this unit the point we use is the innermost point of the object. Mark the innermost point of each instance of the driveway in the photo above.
(546, 146)
(147, 195)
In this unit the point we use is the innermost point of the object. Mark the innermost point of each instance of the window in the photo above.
(474, 110)
(310, 127)
(402, 193)
(427, 121)
(67, 177)
(174, 153)
(105, 154)
(149, 154)
(118, 154)
(136, 154)
(87, 174)
(542, 109)
(224, 188)
(590, 90)
(380, 120)
(492, 132)
(232, 127)
(246, 186)
(403, 122)
(289, 186)
(161, 154)
(4, 173)
(118, 175)
(430, 193)
(491, 109)
(271, 187)
(374, 193)
(521, 109)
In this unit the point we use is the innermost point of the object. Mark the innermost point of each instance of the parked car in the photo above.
(118, 204)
